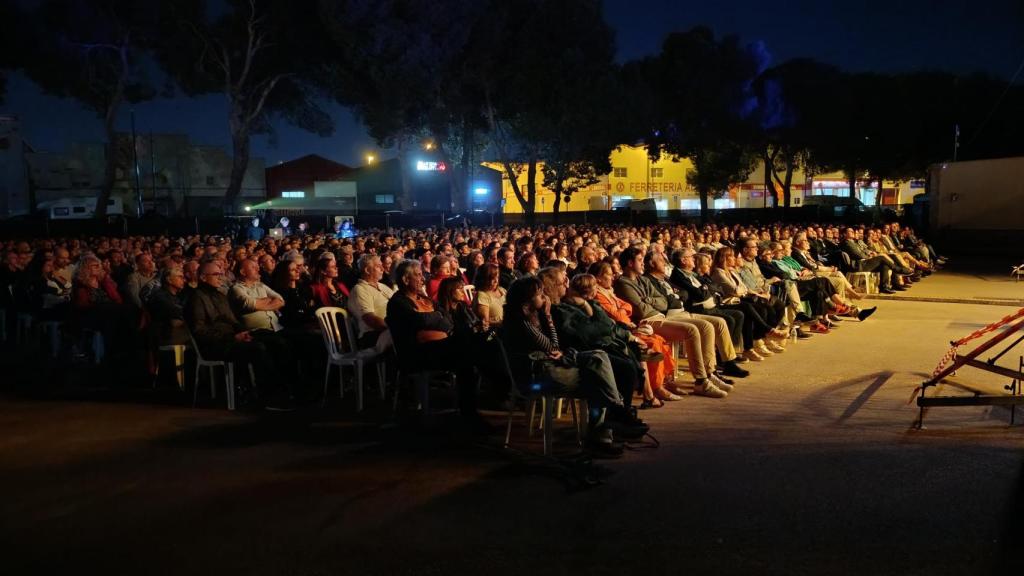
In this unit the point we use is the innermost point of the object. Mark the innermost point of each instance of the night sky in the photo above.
(885, 36)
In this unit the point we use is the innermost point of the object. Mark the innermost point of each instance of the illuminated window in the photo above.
(384, 199)
(657, 172)
(724, 203)
(619, 172)
(293, 194)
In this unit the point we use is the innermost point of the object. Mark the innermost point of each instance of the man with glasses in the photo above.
(866, 262)
(221, 336)
(754, 279)
(166, 306)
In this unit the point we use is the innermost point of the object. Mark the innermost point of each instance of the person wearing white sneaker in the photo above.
(721, 384)
(761, 348)
(650, 307)
(705, 387)
(774, 347)
(752, 355)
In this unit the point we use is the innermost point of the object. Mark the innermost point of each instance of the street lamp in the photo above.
(370, 158)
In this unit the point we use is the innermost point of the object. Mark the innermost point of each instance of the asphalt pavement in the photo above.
(811, 466)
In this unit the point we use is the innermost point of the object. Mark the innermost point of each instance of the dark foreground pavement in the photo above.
(809, 467)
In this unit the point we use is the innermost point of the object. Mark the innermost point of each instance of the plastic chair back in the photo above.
(336, 330)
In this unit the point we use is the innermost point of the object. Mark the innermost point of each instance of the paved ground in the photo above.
(981, 281)
(810, 467)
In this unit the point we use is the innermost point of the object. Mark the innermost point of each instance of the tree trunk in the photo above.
(456, 200)
(110, 160)
(469, 170)
(531, 191)
(405, 202)
(878, 193)
(239, 154)
(109, 169)
(513, 178)
(851, 175)
(769, 171)
(787, 185)
(239, 164)
(556, 207)
(703, 205)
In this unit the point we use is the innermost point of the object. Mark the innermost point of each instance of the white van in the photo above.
(79, 208)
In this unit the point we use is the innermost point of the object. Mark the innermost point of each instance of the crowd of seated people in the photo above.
(617, 301)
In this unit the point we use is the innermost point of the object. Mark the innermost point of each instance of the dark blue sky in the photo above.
(886, 36)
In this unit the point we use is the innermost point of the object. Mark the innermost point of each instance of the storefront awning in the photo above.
(346, 205)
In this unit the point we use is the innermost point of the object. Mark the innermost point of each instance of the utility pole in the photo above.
(152, 166)
(956, 140)
(138, 177)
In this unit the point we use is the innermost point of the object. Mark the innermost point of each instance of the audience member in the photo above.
(542, 364)
(253, 301)
(144, 274)
(221, 336)
(326, 288)
(368, 304)
(489, 299)
(422, 338)
(652, 308)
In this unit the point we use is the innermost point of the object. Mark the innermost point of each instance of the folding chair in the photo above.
(229, 375)
(535, 393)
(339, 339)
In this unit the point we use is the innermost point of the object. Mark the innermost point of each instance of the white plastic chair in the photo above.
(866, 282)
(229, 376)
(339, 340)
(470, 291)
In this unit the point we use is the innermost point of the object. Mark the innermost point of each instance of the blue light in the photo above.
(480, 191)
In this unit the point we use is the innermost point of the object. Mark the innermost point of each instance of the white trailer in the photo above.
(978, 206)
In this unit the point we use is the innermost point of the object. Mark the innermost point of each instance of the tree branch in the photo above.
(254, 42)
(263, 89)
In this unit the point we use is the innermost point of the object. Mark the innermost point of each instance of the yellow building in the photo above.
(635, 176)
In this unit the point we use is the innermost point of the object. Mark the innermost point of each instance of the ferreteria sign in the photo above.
(652, 187)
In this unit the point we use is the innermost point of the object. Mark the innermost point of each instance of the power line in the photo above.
(995, 106)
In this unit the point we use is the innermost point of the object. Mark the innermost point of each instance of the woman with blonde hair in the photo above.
(725, 279)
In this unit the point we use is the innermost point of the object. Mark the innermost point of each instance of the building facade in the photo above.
(298, 178)
(174, 176)
(15, 197)
(636, 176)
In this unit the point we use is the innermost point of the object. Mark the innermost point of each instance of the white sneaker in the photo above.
(714, 379)
(774, 347)
(706, 388)
(752, 355)
(763, 350)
